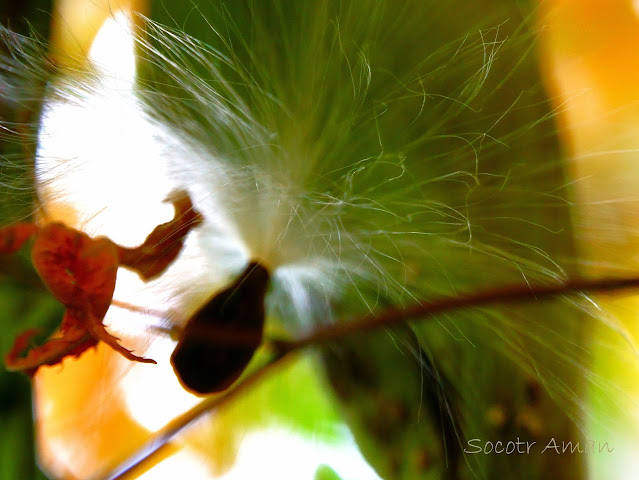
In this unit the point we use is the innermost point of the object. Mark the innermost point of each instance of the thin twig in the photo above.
(162, 437)
(387, 319)
(393, 317)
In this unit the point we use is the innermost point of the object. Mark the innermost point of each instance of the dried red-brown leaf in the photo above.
(72, 343)
(165, 242)
(14, 236)
(81, 272)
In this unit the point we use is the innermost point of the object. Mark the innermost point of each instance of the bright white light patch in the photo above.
(273, 453)
(113, 53)
(614, 457)
(98, 151)
(285, 455)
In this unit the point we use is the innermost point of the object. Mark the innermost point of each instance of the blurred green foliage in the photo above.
(325, 472)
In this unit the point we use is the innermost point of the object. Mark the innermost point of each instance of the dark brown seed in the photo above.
(219, 341)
